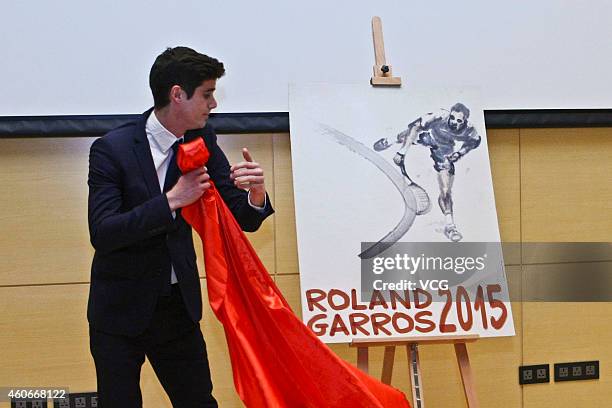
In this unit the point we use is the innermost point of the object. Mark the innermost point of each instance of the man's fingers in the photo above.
(198, 171)
(247, 172)
(245, 165)
(246, 181)
(246, 154)
(250, 178)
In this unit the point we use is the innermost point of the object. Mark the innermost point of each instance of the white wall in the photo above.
(93, 57)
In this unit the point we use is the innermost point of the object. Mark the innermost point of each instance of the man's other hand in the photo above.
(248, 175)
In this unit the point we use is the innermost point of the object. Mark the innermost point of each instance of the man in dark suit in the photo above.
(145, 296)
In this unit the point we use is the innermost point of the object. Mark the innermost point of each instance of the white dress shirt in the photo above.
(160, 142)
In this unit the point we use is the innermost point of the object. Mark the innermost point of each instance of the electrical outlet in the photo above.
(580, 370)
(534, 374)
(61, 403)
(528, 375)
(541, 373)
(84, 400)
(29, 403)
(591, 370)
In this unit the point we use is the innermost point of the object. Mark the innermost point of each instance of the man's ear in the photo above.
(176, 94)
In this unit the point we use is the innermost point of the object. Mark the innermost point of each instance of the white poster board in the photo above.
(355, 197)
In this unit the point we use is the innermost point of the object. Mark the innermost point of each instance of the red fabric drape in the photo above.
(276, 360)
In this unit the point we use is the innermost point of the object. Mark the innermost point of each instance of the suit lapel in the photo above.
(142, 150)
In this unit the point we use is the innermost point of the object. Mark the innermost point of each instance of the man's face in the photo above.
(195, 110)
(456, 120)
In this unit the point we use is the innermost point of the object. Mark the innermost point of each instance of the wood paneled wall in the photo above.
(551, 185)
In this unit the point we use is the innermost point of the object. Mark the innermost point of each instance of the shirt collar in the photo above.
(162, 136)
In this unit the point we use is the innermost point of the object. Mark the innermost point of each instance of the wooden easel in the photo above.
(383, 75)
(414, 365)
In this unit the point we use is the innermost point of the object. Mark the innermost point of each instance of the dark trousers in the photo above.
(174, 345)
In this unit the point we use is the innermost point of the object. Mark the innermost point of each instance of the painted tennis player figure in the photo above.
(449, 137)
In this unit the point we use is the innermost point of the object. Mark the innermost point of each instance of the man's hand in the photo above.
(454, 157)
(426, 139)
(403, 135)
(248, 175)
(189, 188)
(398, 158)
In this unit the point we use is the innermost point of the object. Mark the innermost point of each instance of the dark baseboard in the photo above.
(278, 122)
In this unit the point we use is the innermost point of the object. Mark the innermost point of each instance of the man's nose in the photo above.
(213, 103)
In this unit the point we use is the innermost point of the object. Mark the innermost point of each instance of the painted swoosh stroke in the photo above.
(394, 176)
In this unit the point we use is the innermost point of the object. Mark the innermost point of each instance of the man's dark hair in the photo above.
(459, 107)
(184, 67)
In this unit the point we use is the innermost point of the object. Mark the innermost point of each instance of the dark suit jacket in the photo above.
(135, 237)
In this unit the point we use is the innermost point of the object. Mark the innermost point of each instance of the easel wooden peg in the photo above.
(414, 365)
(383, 75)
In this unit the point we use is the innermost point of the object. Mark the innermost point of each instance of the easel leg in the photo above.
(362, 359)
(466, 375)
(414, 365)
(387, 370)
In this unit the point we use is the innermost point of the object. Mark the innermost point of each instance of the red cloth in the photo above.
(276, 360)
